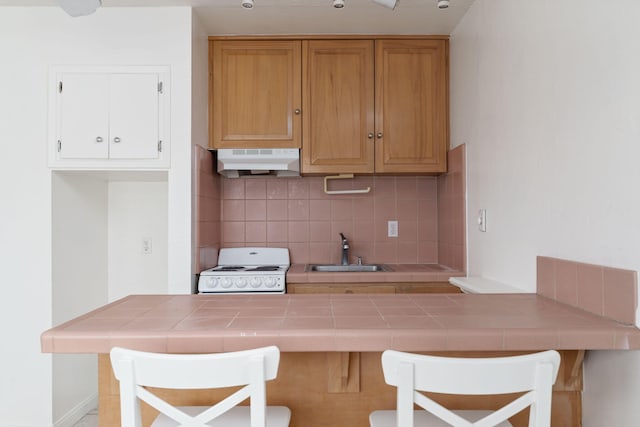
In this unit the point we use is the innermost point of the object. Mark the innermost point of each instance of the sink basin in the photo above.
(355, 268)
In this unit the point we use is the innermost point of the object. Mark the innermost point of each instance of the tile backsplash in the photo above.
(296, 213)
(207, 202)
(451, 211)
(605, 291)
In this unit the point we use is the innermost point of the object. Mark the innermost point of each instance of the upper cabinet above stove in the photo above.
(353, 106)
(255, 94)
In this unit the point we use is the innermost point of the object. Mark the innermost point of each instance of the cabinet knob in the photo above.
(297, 111)
(116, 139)
(379, 135)
(370, 135)
(99, 139)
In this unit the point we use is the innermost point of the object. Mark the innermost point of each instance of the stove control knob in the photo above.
(255, 282)
(211, 282)
(270, 282)
(241, 282)
(226, 282)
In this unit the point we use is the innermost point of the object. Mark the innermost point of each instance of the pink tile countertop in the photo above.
(398, 273)
(364, 322)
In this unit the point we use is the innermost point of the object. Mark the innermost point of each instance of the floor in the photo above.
(89, 420)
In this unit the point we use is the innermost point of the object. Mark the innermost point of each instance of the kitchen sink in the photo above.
(338, 268)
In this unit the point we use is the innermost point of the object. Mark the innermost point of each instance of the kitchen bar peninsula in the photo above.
(330, 373)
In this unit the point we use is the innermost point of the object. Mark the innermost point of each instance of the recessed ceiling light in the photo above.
(391, 4)
(443, 4)
(80, 7)
(247, 4)
(338, 4)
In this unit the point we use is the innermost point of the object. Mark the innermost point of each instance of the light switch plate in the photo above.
(482, 220)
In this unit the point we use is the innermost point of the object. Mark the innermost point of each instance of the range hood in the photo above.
(236, 162)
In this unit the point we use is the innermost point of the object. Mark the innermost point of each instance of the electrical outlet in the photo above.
(392, 228)
(147, 246)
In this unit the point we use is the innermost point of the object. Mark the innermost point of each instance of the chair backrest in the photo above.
(136, 370)
(533, 374)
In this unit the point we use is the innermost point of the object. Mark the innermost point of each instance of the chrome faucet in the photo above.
(345, 250)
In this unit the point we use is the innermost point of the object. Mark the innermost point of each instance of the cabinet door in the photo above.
(83, 116)
(338, 106)
(411, 106)
(133, 116)
(256, 94)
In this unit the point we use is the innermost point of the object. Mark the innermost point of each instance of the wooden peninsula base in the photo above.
(332, 389)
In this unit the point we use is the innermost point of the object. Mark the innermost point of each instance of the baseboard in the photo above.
(79, 411)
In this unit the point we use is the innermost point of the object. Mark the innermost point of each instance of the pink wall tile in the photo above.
(233, 232)
(342, 210)
(620, 294)
(567, 282)
(256, 231)
(605, 291)
(407, 209)
(450, 211)
(546, 277)
(591, 288)
(345, 227)
(233, 188)
(207, 187)
(298, 231)
(406, 188)
(277, 210)
(277, 188)
(298, 210)
(427, 187)
(363, 231)
(233, 210)
(277, 231)
(298, 188)
(363, 209)
(320, 210)
(319, 231)
(255, 188)
(255, 210)
(299, 252)
(297, 214)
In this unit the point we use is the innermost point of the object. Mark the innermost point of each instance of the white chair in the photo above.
(412, 374)
(251, 368)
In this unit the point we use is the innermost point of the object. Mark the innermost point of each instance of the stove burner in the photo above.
(265, 268)
(229, 268)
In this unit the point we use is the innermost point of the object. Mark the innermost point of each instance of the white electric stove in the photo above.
(246, 270)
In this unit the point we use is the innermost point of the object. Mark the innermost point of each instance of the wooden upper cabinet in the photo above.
(412, 121)
(255, 94)
(354, 106)
(338, 96)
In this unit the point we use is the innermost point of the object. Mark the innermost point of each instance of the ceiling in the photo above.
(306, 16)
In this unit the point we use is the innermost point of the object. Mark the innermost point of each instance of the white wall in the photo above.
(31, 40)
(546, 96)
(79, 276)
(137, 210)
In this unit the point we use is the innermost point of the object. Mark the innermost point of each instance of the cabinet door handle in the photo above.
(99, 139)
(297, 111)
(116, 139)
(379, 135)
(370, 135)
